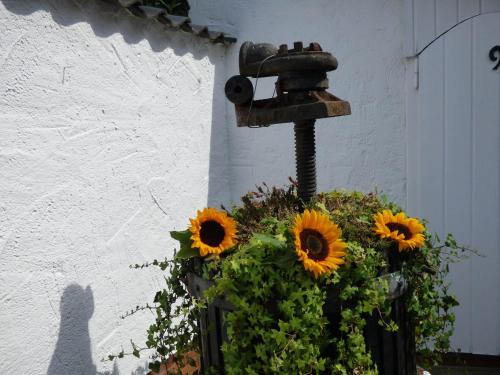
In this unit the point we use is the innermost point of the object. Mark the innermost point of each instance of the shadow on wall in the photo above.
(219, 178)
(73, 353)
(107, 18)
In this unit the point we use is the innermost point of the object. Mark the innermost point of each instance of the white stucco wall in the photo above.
(114, 131)
(363, 151)
(105, 136)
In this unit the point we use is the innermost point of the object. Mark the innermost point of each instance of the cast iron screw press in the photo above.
(301, 97)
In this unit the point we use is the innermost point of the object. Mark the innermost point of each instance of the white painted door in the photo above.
(454, 167)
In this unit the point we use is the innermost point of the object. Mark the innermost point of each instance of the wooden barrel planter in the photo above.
(392, 352)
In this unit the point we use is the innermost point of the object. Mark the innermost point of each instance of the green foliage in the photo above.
(431, 303)
(264, 207)
(284, 321)
(277, 320)
(177, 7)
(184, 238)
(174, 330)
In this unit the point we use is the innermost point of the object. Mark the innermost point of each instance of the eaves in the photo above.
(175, 23)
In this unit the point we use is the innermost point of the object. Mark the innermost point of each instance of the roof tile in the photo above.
(175, 22)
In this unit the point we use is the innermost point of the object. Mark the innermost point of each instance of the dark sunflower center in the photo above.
(400, 228)
(314, 243)
(211, 233)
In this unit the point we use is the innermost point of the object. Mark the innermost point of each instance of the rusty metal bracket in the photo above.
(316, 105)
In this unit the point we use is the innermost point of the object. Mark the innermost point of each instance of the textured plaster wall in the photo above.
(363, 151)
(106, 129)
(114, 131)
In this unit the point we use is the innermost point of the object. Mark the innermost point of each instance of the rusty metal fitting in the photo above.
(301, 97)
(239, 90)
(264, 60)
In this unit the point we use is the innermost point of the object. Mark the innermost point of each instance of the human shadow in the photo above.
(72, 354)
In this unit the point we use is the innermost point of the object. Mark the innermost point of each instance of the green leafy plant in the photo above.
(286, 319)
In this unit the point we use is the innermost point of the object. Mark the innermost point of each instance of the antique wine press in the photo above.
(301, 97)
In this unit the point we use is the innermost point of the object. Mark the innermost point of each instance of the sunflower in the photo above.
(406, 231)
(212, 231)
(317, 242)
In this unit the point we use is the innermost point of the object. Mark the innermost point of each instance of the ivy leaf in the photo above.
(184, 238)
(450, 301)
(135, 352)
(450, 241)
(154, 366)
(181, 236)
(286, 260)
(267, 240)
(186, 252)
(363, 219)
(323, 208)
